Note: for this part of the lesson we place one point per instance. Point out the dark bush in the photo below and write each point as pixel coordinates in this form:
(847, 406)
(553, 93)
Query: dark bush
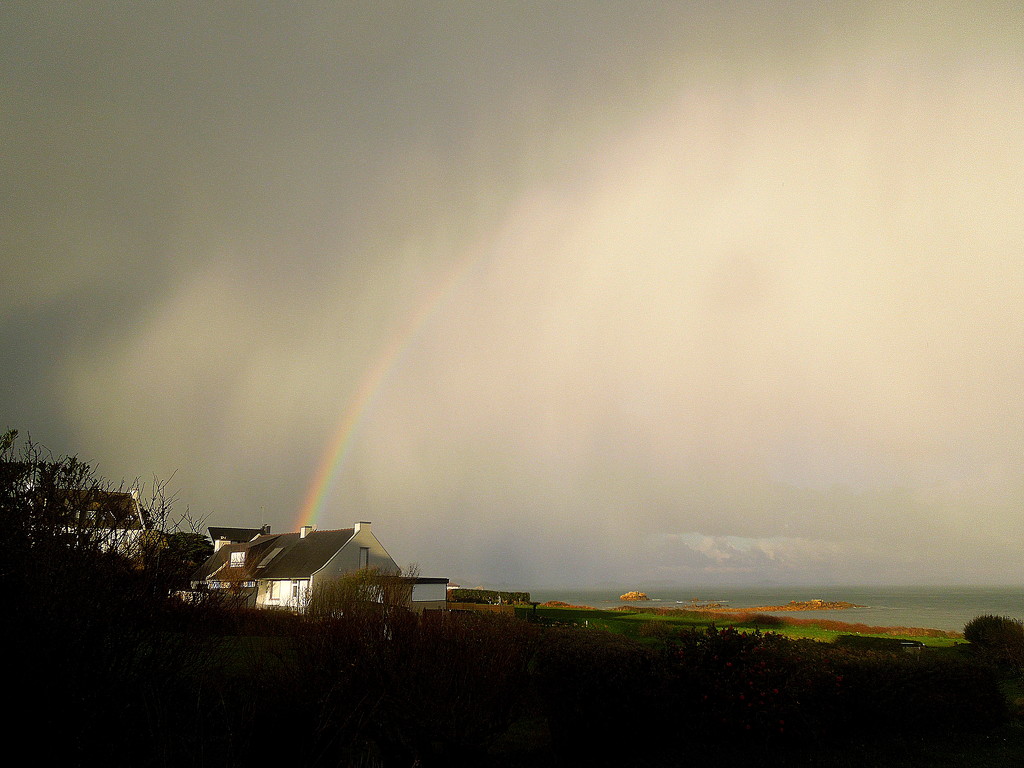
(759, 689)
(599, 691)
(751, 687)
(899, 695)
(997, 639)
(435, 689)
(488, 597)
(453, 682)
(89, 619)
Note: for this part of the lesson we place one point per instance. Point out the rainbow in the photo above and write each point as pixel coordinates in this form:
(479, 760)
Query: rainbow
(359, 404)
(534, 210)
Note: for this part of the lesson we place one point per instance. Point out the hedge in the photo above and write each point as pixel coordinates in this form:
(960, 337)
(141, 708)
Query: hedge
(487, 596)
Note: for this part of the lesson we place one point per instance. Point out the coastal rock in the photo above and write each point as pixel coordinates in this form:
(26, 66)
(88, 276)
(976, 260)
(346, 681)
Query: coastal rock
(634, 596)
(812, 605)
(563, 604)
(792, 605)
(803, 605)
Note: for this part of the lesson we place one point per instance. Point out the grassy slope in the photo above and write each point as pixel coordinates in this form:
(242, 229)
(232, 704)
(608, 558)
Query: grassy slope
(640, 623)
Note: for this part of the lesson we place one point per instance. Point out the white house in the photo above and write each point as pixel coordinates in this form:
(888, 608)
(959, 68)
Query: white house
(113, 520)
(280, 570)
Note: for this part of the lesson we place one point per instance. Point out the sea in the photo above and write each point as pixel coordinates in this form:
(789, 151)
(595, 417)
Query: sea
(945, 608)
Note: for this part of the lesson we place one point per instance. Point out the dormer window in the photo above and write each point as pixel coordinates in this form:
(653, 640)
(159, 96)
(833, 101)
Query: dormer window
(237, 559)
(266, 560)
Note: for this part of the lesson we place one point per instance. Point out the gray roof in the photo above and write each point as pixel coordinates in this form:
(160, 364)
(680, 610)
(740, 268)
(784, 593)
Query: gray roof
(276, 556)
(300, 558)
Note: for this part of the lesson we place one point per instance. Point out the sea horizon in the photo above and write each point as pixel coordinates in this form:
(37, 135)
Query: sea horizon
(944, 607)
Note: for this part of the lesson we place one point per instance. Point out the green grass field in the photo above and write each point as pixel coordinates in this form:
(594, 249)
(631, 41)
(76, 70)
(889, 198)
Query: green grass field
(648, 624)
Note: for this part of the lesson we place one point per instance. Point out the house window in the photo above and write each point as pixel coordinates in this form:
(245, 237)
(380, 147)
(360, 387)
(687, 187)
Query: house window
(237, 559)
(364, 557)
(272, 593)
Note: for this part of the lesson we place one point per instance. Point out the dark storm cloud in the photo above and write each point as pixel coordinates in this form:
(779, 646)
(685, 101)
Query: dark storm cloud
(676, 292)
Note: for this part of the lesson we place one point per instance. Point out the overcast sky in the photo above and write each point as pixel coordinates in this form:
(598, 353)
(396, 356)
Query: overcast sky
(595, 292)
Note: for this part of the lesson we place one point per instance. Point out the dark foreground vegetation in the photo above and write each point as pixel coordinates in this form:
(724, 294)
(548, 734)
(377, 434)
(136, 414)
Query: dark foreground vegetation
(107, 667)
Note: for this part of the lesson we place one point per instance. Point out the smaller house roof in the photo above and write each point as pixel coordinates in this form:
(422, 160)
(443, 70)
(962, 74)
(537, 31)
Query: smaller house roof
(237, 535)
(102, 508)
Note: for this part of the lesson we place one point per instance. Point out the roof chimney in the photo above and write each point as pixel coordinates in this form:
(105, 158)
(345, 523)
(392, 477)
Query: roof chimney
(305, 530)
(265, 529)
(361, 526)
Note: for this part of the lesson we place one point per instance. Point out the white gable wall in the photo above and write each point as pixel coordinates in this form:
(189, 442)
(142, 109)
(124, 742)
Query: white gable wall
(348, 558)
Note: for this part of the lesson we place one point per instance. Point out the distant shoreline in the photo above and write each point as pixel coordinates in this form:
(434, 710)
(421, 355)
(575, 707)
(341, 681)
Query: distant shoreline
(792, 605)
(947, 608)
